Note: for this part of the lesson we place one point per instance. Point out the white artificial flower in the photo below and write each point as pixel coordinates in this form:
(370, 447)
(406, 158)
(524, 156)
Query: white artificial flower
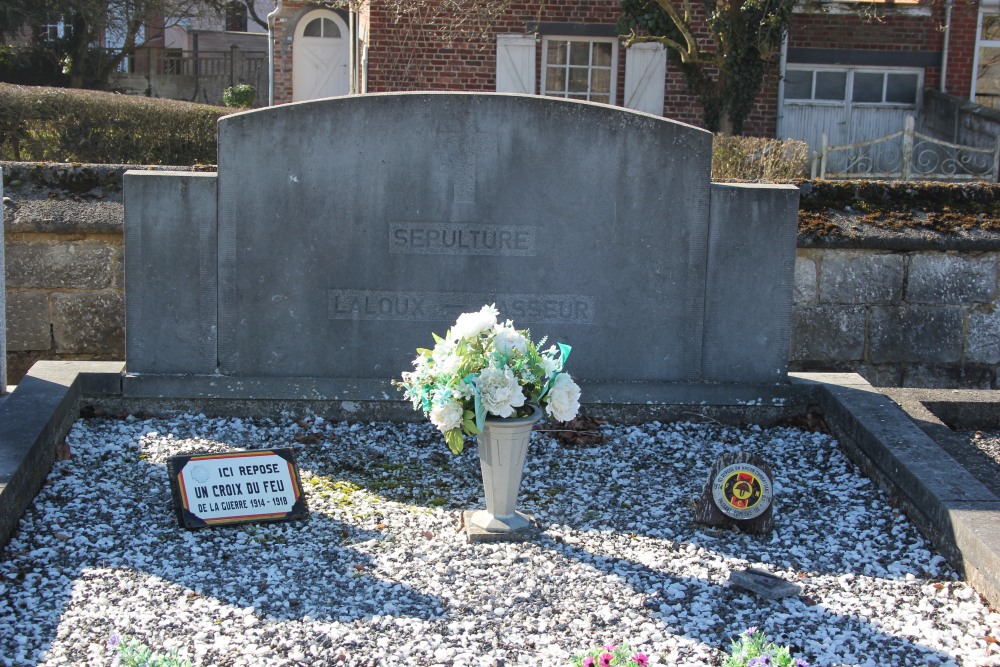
(550, 362)
(464, 391)
(507, 339)
(499, 391)
(446, 415)
(446, 362)
(470, 325)
(563, 398)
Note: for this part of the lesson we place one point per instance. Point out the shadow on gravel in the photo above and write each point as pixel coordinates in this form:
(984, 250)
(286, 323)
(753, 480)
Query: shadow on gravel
(706, 612)
(248, 574)
(254, 574)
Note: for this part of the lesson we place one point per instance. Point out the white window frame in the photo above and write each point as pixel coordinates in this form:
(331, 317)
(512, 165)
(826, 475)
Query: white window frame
(980, 45)
(613, 41)
(849, 85)
(54, 30)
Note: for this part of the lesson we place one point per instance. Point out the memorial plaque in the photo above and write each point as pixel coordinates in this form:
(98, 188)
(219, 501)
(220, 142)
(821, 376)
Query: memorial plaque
(738, 494)
(255, 486)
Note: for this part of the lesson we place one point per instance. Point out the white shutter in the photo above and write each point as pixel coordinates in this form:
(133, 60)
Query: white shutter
(516, 64)
(645, 76)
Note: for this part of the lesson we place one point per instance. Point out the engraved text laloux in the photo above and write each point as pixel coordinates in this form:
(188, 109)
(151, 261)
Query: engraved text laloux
(347, 304)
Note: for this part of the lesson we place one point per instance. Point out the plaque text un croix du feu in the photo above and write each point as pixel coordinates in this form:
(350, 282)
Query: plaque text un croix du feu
(213, 489)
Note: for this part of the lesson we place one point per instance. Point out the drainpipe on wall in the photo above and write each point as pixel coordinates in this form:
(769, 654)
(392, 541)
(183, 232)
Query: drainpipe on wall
(782, 63)
(352, 87)
(364, 69)
(355, 46)
(270, 51)
(944, 49)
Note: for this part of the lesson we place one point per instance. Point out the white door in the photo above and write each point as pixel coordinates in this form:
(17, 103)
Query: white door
(848, 104)
(320, 57)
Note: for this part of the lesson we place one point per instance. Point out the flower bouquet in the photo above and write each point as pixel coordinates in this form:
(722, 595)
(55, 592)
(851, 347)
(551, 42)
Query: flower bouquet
(484, 367)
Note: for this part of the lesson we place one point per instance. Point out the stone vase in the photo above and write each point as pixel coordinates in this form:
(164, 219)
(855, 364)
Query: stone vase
(503, 445)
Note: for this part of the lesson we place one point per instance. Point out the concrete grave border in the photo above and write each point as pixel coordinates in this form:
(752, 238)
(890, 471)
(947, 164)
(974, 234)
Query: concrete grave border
(953, 508)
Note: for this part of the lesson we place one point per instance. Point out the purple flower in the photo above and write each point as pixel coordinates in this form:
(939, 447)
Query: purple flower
(751, 631)
(605, 660)
(609, 647)
(642, 659)
(760, 661)
(588, 662)
(799, 662)
(113, 642)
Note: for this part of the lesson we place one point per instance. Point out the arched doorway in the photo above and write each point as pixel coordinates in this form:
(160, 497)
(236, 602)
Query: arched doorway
(320, 56)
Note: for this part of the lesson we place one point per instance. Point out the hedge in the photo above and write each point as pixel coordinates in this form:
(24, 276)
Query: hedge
(758, 159)
(65, 125)
(68, 125)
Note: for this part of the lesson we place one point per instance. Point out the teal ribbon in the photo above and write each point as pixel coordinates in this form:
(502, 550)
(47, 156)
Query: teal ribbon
(478, 399)
(564, 351)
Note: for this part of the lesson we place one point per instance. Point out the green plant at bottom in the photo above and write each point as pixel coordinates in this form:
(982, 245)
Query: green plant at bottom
(610, 655)
(752, 649)
(132, 653)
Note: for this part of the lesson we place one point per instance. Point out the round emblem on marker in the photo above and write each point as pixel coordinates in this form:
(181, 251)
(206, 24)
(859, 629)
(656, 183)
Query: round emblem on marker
(742, 491)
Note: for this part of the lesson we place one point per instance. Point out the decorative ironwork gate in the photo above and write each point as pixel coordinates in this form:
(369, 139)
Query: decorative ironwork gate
(907, 155)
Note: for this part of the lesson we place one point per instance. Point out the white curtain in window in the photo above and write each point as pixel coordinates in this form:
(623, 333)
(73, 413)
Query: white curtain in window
(645, 77)
(516, 64)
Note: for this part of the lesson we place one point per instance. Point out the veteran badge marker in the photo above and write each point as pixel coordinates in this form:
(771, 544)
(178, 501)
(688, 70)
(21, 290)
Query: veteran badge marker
(742, 491)
(738, 493)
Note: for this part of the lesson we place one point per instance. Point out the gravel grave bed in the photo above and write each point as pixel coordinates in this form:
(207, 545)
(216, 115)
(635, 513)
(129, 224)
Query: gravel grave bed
(378, 574)
(988, 442)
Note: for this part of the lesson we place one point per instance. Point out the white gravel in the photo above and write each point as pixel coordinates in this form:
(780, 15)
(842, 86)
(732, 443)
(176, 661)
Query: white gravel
(378, 575)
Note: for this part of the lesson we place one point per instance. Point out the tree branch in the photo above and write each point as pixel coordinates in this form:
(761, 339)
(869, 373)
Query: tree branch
(684, 26)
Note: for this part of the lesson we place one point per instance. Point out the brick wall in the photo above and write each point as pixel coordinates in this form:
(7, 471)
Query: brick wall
(904, 31)
(406, 52)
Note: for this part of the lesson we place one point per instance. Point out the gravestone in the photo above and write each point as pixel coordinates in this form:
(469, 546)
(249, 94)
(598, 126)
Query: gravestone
(339, 233)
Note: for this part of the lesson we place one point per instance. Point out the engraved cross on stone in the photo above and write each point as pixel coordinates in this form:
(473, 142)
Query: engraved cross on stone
(475, 148)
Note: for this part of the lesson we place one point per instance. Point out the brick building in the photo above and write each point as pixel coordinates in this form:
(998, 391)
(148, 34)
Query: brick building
(850, 68)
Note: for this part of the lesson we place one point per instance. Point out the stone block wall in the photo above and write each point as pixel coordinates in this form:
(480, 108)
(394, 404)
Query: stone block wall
(64, 263)
(65, 298)
(919, 318)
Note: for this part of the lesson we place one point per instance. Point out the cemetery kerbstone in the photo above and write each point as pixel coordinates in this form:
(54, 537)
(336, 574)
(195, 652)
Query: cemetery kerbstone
(347, 228)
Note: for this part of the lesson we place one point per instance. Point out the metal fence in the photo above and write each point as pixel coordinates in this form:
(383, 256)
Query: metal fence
(197, 76)
(907, 155)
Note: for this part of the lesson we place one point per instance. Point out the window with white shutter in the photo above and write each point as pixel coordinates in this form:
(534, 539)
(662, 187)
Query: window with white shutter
(645, 74)
(516, 64)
